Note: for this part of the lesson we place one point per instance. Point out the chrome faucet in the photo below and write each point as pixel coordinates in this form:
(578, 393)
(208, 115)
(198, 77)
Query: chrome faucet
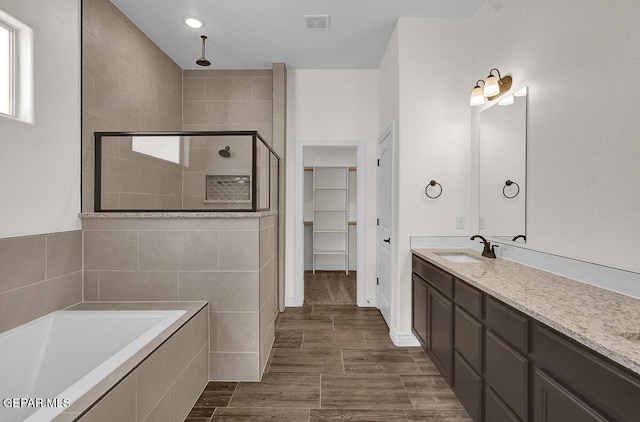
(488, 251)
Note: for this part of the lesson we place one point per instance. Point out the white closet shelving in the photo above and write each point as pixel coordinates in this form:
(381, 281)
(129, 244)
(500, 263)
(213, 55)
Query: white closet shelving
(330, 213)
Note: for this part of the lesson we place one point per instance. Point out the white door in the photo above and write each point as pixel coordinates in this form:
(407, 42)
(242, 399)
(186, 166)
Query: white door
(384, 239)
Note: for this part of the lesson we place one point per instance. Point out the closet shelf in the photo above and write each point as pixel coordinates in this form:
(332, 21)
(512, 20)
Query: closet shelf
(330, 202)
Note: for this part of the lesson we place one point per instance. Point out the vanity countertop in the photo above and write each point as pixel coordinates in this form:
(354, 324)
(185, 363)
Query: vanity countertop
(593, 316)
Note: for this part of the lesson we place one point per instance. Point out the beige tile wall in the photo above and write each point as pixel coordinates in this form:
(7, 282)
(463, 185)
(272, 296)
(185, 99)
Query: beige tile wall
(205, 160)
(39, 274)
(128, 84)
(219, 260)
(229, 100)
(268, 286)
(166, 385)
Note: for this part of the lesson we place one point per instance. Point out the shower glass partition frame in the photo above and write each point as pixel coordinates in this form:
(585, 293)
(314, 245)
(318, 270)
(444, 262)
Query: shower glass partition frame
(124, 152)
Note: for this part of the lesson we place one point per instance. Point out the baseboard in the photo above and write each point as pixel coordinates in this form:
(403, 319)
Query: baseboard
(368, 303)
(293, 302)
(403, 339)
(330, 267)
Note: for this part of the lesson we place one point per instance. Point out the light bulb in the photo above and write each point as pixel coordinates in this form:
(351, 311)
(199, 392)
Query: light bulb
(477, 97)
(491, 86)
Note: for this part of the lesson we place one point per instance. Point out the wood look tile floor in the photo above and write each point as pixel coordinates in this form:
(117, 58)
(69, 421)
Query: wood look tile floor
(334, 363)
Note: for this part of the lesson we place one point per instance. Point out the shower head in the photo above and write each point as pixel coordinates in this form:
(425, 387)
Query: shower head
(202, 61)
(225, 153)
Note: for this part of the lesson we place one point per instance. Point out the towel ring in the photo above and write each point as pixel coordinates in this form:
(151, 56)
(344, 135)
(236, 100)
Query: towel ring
(433, 183)
(507, 184)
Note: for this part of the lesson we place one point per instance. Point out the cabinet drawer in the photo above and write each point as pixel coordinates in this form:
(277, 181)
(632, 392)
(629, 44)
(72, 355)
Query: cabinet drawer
(553, 403)
(419, 309)
(468, 339)
(468, 388)
(469, 298)
(496, 410)
(507, 374)
(438, 278)
(509, 324)
(604, 386)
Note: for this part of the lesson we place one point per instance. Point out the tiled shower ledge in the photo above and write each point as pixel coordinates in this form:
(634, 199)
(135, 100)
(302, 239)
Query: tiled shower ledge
(177, 214)
(600, 319)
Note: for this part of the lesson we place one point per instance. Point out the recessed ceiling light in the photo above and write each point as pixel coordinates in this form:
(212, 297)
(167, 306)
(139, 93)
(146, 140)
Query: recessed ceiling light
(193, 22)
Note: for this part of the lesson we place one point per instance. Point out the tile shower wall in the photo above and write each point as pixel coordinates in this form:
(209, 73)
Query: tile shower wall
(192, 259)
(128, 84)
(39, 274)
(205, 160)
(229, 100)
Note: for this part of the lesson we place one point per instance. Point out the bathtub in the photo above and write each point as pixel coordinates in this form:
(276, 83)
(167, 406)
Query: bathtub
(48, 363)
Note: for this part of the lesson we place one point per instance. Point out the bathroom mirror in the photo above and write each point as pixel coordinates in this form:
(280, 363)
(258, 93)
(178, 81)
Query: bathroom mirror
(502, 168)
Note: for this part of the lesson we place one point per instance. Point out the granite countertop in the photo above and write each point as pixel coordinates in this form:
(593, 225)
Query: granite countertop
(598, 318)
(176, 214)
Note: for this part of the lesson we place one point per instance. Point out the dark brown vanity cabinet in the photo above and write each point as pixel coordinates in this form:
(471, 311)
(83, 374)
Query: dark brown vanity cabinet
(432, 310)
(440, 329)
(505, 366)
(419, 309)
(507, 363)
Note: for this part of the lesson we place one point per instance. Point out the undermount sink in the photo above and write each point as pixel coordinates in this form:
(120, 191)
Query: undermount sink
(460, 258)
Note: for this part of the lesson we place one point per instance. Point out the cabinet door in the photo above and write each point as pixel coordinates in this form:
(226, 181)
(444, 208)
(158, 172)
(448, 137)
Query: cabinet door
(507, 374)
(468, 388)
(553, 403)
(440, 332)
(468, 339)
(419, 310)
(496, 410)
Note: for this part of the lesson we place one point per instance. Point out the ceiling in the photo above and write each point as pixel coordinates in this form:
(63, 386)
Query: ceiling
(252, 34)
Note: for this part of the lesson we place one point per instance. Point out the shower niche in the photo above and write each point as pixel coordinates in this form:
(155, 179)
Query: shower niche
(184, 171)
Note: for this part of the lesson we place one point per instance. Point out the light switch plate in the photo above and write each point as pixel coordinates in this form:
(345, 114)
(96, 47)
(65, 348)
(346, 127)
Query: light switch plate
(460, 222)
(481, 222)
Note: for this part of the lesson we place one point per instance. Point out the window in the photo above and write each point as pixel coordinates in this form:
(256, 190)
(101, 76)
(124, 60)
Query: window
(16, 69)
(163, 147)
(7, 69)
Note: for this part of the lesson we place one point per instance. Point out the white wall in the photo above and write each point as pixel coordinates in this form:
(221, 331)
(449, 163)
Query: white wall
(331, 107)
(40, 162)
(389, 118)
(433, 141)
(583, 177)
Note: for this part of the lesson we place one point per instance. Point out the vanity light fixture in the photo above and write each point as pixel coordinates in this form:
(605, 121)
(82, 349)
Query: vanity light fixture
(493, 88)
(477, 95)
(192, 22)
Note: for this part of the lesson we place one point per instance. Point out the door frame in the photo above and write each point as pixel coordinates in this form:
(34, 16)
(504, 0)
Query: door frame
(360, 146)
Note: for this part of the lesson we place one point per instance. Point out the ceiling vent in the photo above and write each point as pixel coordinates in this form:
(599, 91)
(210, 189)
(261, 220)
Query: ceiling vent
(317, 22)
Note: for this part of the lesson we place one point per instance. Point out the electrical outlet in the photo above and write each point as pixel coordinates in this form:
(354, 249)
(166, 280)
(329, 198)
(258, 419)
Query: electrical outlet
(460, 222)
(481, 222)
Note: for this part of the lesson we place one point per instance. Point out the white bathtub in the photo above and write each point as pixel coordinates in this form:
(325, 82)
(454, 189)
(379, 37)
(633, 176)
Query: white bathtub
(62, 355)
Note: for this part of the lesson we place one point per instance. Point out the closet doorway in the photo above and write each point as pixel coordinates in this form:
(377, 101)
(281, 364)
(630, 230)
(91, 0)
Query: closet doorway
(330, 225)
